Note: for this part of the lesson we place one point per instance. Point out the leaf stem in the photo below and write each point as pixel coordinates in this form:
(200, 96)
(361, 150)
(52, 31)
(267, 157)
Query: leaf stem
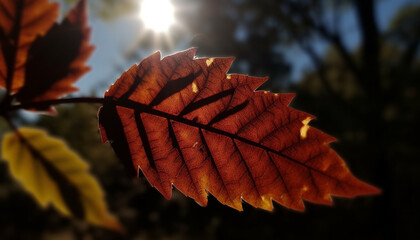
(12, 126)
(48, 103)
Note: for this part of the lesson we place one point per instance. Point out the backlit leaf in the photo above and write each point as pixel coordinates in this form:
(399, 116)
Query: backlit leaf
(57, 59)
(55, 175)
(21, 21)
(183, 121)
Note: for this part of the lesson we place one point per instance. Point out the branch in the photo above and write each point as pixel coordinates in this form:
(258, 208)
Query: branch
(331, 37)
(337, 42)
(48, 103)
(411, 52)
(370, 47)
(10, 123)
(320, 68)
(321, 71)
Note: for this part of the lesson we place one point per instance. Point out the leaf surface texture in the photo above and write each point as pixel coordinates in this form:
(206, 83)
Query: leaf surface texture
(183, 121)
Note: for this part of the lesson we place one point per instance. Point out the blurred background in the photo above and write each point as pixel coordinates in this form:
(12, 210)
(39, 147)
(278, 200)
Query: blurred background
(355, 64)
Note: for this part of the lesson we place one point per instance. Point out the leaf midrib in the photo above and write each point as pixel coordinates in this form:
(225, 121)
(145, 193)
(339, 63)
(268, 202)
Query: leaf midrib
(126, 103)
(65, 186)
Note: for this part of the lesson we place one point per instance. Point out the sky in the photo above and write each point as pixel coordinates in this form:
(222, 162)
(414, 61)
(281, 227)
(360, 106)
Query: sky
(113, 38)
(385, 11)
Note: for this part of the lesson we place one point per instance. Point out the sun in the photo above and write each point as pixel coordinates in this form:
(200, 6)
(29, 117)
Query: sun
(157, 15)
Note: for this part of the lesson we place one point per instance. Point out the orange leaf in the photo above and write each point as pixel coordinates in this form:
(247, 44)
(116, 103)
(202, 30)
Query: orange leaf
(183, 121)
(57, 59)
(21, 21)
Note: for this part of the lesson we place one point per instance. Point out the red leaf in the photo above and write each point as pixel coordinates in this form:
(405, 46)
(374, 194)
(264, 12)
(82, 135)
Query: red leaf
(21, 21)
(57, 59)
(183, 121)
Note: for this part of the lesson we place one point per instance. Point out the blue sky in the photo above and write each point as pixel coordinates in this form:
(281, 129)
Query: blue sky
(385, 11)
(113, 38)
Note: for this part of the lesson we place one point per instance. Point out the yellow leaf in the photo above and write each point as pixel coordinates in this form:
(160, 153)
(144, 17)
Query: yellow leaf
(55, 175)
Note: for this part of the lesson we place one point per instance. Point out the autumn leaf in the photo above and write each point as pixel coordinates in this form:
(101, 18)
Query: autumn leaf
(55, 175)
(40, 59)
(184, 121)
(21, 21)
(57, 59)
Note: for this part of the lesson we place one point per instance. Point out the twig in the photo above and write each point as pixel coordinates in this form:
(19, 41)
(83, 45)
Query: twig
(48, 103)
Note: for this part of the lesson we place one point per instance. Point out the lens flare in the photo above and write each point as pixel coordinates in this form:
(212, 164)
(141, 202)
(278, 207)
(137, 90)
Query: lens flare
(157, 15)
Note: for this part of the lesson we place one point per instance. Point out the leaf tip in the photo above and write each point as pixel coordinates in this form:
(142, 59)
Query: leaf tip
(165, 190)
(191, 52)
(267, 203)
(155, 57)
(368, 189)
(288, 97)
(114, 225)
